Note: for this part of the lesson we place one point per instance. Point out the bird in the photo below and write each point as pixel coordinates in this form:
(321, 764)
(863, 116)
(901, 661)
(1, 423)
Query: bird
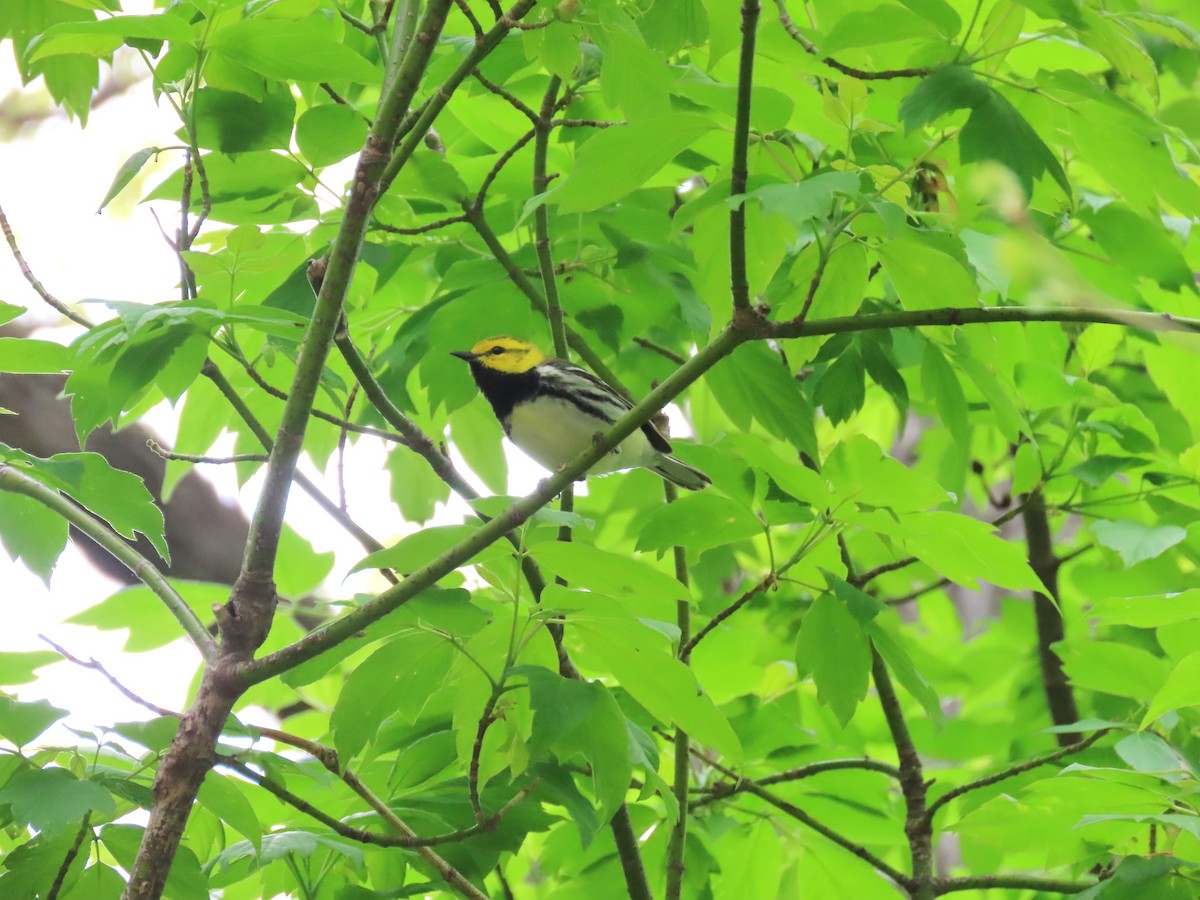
(553, 410)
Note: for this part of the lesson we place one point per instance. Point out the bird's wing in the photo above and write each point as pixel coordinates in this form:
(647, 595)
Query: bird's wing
(653, 435)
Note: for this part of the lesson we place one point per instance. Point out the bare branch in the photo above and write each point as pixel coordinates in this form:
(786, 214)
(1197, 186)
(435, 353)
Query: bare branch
(38, 287)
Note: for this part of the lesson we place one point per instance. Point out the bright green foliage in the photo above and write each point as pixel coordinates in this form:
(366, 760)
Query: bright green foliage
(888, 493)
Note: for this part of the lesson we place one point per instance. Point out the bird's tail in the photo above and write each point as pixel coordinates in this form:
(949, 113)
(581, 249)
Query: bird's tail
(680, 473)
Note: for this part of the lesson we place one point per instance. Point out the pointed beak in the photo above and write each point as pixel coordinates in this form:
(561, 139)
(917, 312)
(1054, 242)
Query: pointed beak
(463, 354)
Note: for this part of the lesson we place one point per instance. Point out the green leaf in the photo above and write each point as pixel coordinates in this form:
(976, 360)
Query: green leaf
(754, 384)
(939, 12)
(947, 89)
(226, 800)
(98, 882)
(900, 663)
(117, 496)
(924, 276)
(833, 648)
(964, 549)
(1097, 469)
(128, 171)
(1112, 668)
(841, 389)
(102, 36)
(885, 24)
(1181, 689)
(150, 623)
(618, 161)
(645, 666)
(396, 679)
(941, 385)
(31, 356)
(234, 123)
(50, 799)
(328, 134)
(578, 717)
(1148, 612)
(9, 311)
(478, 436)
(859, 471)
(23, 722)
(1135, 542)
(1138, 245)
(302, 51)
(698, 522)
(995, 130)
(613, 574)
(1145, 752)
(32, 533)
(422, 547)
(803, 201)
(19, 667)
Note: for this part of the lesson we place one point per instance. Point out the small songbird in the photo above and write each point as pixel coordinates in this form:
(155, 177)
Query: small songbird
(553, 410)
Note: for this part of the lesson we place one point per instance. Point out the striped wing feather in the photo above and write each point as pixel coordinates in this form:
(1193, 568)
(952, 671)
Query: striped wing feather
(594, 395)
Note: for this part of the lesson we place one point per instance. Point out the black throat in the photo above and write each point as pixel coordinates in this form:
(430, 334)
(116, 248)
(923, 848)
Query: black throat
(504, 390)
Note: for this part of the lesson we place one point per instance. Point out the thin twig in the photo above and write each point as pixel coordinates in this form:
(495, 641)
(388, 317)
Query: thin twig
(785, 19)
(665, 352)
(943, 886)
(723, 791)
(160, 450)
(72, 854)
(97, 666)
(917, 826)
(418, 229)
(514, 101)
(37, 286)
(1012, 771)
(339, 421)
(801, 816)
(767, 581)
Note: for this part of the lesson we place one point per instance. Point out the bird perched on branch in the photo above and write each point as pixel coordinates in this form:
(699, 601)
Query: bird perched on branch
(554, 410)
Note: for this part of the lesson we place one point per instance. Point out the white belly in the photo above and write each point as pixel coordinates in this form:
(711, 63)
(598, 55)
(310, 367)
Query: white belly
(553, 432)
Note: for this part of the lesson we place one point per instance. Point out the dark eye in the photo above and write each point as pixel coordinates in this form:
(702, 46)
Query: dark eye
(496, 351)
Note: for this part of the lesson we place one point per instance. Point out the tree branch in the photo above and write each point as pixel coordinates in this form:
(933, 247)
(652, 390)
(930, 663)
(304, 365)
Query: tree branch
(917, 827)
(801, 816)
(785, 19)
(246, 618)
(15, 481)
(1060, 698)
(1017, 882)
(767, 581)
(38, 287)
(681, 775)
(975, 315)
(630, 855)
(72, 854)
(435, 104)
(739, 173)
(1013, 771)
(722, 791)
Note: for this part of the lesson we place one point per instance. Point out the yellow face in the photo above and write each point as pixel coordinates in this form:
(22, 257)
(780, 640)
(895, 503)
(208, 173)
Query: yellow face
(505, 354)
